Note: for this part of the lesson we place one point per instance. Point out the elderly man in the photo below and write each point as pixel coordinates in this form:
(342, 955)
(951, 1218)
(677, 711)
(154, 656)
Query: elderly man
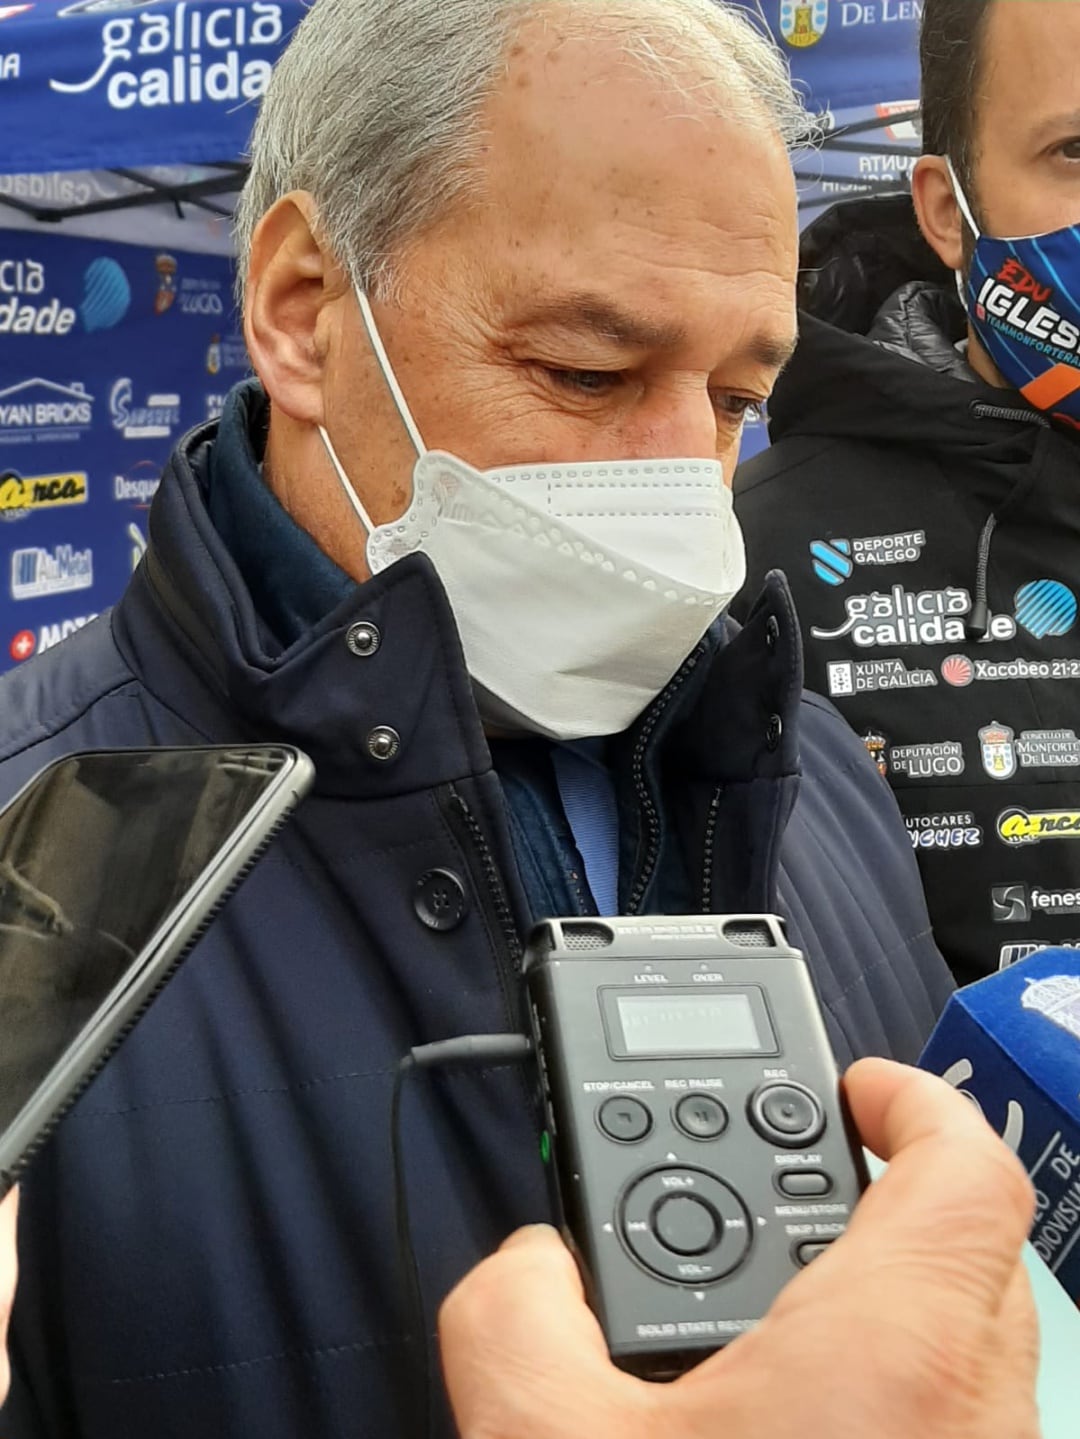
(514, 273)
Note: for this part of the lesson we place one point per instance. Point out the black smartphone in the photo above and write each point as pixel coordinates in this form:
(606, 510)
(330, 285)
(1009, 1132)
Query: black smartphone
(112, 864)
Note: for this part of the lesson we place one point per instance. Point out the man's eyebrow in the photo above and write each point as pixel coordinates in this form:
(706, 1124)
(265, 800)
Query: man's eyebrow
(773, 354)
(1068, 121)
(609, 321)
(605, 319)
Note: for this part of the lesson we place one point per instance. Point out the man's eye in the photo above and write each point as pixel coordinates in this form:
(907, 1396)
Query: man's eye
(583, 382)
(1070, 149)
(739, 407)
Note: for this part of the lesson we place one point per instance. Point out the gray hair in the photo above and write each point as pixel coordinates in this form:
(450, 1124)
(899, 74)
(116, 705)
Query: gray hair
(374, 106)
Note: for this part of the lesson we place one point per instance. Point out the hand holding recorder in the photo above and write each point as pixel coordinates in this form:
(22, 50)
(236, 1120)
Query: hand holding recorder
(917, 1321)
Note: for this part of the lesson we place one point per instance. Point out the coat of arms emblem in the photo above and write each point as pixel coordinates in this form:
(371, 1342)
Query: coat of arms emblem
(998, 751)
(803, 22)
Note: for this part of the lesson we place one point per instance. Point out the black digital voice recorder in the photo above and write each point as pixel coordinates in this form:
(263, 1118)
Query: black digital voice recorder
(698, 1138)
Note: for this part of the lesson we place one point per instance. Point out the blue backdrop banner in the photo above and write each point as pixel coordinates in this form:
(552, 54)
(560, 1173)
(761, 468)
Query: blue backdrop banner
(88, 84)
(108, 353)
(847, 53)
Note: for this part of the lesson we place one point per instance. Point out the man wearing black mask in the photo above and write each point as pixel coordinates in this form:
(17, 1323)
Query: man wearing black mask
(921, 492)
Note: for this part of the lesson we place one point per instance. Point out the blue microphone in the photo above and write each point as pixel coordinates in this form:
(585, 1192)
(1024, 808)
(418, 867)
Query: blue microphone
(1011, 1043)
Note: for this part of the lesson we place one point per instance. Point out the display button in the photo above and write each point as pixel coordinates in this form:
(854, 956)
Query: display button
(686, 1225)
(802, 1183)
(624, 1119)
(787, 1114)
(813, 1249)
(700, 1116)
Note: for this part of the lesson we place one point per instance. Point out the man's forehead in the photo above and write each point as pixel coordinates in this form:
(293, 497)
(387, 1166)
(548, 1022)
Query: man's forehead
(579, 108)
(1028, 47)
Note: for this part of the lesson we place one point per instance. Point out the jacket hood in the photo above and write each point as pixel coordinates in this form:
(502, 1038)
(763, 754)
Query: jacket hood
(880, 321)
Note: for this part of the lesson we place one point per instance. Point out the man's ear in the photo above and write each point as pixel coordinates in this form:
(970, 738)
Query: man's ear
(939, 215)
(291, 284)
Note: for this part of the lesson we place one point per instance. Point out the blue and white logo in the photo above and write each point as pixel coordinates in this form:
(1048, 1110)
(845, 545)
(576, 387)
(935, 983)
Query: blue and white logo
(106, 295)
(36, 572)
(832, 560)
(1045, 607)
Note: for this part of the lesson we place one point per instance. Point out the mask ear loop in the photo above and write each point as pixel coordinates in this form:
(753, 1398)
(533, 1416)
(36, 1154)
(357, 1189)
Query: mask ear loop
(346, 485)
(388, 373)
(965, 210)
(403, 410)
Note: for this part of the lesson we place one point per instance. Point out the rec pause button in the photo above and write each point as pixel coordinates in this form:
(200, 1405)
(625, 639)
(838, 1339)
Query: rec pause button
(624, 1118)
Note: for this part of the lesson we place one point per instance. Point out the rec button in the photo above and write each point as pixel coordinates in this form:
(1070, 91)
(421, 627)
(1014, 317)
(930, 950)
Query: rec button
(788, 1114)
(624, 1118)
(701, 1116)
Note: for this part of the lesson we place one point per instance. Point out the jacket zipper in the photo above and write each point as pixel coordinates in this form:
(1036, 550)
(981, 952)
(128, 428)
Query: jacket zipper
(710, 835)
(493, 887)
(646, 805)
(984, 411)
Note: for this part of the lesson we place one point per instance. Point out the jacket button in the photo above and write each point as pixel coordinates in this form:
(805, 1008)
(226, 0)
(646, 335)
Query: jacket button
(774, 731)
(772, 631)
(383, 743)
(440, 899)
(363, 638)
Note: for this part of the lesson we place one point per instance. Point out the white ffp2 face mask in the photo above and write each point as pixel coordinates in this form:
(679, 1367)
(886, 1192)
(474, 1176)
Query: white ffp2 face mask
(578, 589)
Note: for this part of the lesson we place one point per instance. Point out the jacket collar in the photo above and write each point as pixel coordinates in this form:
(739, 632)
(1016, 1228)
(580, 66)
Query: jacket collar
(189, 605)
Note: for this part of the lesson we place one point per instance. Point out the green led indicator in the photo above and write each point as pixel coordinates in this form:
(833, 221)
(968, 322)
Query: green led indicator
(545, 1147)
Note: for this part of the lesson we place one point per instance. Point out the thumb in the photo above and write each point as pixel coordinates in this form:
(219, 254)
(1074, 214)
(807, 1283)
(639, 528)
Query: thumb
(950, 1179)
(520, 1347)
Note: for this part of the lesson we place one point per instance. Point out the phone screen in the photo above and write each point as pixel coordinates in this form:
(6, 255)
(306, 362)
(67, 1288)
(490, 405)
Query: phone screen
(95, 855)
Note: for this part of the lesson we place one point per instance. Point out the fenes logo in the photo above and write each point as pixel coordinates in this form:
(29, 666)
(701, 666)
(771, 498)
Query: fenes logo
(1009, 904)
(803, 24)
(1045, 607)
(1020, 826)
(20, 494)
